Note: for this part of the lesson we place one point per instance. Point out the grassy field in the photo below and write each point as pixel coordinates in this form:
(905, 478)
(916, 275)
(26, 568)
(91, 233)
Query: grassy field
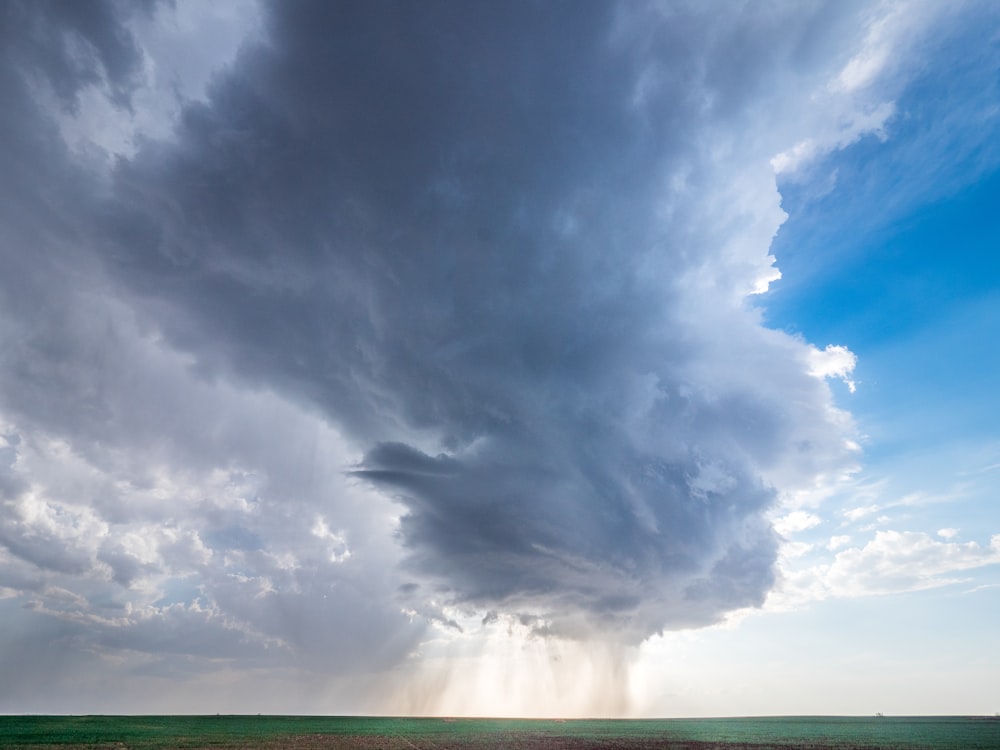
(314, 733)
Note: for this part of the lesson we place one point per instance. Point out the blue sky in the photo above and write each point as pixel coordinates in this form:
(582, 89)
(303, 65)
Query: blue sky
(891, 249)
(898, 261)
(500, 359)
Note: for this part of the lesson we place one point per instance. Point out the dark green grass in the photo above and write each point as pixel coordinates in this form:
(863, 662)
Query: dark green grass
(157, 732)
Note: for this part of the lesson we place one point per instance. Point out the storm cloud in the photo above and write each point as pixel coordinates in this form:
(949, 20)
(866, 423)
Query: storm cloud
(422, 307)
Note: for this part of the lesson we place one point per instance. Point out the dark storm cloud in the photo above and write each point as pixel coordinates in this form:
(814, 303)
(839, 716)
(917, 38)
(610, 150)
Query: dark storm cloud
(70, 45)
(307, 218)
(114, 457)
(491, 244)
(627, 541)
(438, 222)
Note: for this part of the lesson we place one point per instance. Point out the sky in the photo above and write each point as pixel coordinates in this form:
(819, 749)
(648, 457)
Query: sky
(510, 359)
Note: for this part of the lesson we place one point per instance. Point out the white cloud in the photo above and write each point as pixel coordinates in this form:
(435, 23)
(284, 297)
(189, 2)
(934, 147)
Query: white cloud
(857, 99)
(834, 361)
(838, 541)
(792, 550)
(337, 541)
(850, 130)
(947, 533)
(796, 521)
(856, 514)
(984, 587)
(893, 26)
(897, 561)
(890, 563)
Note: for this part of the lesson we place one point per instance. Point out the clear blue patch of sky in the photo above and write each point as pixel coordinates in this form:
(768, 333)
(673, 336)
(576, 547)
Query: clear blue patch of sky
(900, 260)
(878, 287)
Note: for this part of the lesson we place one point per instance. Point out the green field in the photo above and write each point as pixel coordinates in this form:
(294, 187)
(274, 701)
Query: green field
(312, 732)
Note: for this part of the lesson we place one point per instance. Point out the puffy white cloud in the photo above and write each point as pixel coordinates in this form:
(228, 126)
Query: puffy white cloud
(891, 562)
(796, 521)
(896, 561)
(834, 361)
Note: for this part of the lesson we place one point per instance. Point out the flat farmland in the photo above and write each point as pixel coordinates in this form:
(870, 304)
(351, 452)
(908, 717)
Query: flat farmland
(370, 733)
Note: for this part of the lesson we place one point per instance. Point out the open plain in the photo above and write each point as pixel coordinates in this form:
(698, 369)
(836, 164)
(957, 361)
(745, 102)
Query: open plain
(381, 733)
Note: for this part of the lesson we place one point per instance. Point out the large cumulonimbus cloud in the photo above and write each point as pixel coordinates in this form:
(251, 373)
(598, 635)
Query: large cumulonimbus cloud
(488, 242)
(506, 250)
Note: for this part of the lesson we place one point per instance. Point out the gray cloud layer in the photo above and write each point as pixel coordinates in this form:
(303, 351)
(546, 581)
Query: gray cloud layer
(489, 261)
